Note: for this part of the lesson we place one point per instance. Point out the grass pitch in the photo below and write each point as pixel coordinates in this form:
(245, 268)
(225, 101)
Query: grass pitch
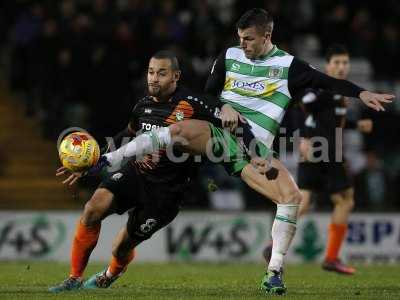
(30, 280)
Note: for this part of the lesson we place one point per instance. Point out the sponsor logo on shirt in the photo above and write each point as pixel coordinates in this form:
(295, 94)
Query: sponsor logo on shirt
(235, 67)
(258, 86)
(148, 127)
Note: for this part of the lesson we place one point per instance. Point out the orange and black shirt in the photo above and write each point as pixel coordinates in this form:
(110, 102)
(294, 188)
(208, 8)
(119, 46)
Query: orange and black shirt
(148, 114)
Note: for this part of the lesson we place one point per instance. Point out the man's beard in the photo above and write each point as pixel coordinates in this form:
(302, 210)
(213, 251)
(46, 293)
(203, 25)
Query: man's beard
(155, 92)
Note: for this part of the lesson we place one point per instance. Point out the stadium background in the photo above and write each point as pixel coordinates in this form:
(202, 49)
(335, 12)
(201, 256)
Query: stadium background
(82, 63)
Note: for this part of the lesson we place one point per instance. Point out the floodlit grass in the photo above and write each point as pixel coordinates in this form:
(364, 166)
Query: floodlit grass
(30, 280)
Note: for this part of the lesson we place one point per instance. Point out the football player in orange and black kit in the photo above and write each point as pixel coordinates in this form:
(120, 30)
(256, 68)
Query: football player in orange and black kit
(326, 171)
(150, 189)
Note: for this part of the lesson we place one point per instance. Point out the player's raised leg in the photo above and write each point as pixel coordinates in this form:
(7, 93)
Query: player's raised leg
(193, 135)
(285, 193)
(343, 205)
(86, 237)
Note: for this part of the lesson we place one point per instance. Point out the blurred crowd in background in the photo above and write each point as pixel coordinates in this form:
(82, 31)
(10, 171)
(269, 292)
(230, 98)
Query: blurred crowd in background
(83, 62)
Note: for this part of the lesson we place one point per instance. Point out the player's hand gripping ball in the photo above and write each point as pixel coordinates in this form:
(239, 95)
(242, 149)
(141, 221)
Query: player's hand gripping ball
(79, 151)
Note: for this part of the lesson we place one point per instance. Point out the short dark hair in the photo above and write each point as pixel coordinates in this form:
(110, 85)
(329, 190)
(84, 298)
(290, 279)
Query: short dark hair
(257, 17)
(166, 54)
(336, 49)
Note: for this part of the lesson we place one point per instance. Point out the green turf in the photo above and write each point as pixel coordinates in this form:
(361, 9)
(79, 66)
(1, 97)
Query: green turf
(202, 281)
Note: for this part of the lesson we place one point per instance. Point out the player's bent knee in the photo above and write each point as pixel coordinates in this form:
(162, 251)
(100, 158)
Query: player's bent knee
(91, 215)
(293, 197)
(290, 193)
(350, 203)
(302, 211)
(297, 197)
(97, 208)
(304, 208)
(344, 200)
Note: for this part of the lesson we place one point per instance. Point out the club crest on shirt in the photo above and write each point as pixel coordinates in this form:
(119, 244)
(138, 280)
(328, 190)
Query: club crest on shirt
(179, 116)
(275, 72)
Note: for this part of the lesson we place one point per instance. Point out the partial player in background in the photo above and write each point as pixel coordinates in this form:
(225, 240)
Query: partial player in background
(257, 81)
(326, 113)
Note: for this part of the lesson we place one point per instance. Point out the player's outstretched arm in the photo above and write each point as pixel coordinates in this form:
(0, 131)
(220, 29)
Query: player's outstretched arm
(301, 76)
(375, 100)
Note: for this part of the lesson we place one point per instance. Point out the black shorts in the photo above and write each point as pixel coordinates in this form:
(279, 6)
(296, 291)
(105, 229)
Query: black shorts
(323, 177)
(151, 203)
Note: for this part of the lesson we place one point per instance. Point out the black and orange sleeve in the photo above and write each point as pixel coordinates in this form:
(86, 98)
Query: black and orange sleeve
(182, 111)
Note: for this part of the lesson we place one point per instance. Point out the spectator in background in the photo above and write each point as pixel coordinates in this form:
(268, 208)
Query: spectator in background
(81, 41)
(176, 30)
(3, 28)
(114, 65)
(45, 51)
(27, 28)
(103, 17)
(363, 33)
(335, 25)
(384, 57)
(206, 27)
(65, 14)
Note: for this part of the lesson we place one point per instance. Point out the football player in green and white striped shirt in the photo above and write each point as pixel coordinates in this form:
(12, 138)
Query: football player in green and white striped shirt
(256, 81)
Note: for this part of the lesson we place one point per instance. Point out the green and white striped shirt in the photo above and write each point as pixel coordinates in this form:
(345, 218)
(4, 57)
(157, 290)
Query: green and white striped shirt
(258, 89)
(262, 89)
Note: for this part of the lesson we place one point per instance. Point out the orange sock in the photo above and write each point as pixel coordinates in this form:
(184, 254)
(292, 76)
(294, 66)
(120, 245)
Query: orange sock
(336, 235)
(82, 246)
(119, 265)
